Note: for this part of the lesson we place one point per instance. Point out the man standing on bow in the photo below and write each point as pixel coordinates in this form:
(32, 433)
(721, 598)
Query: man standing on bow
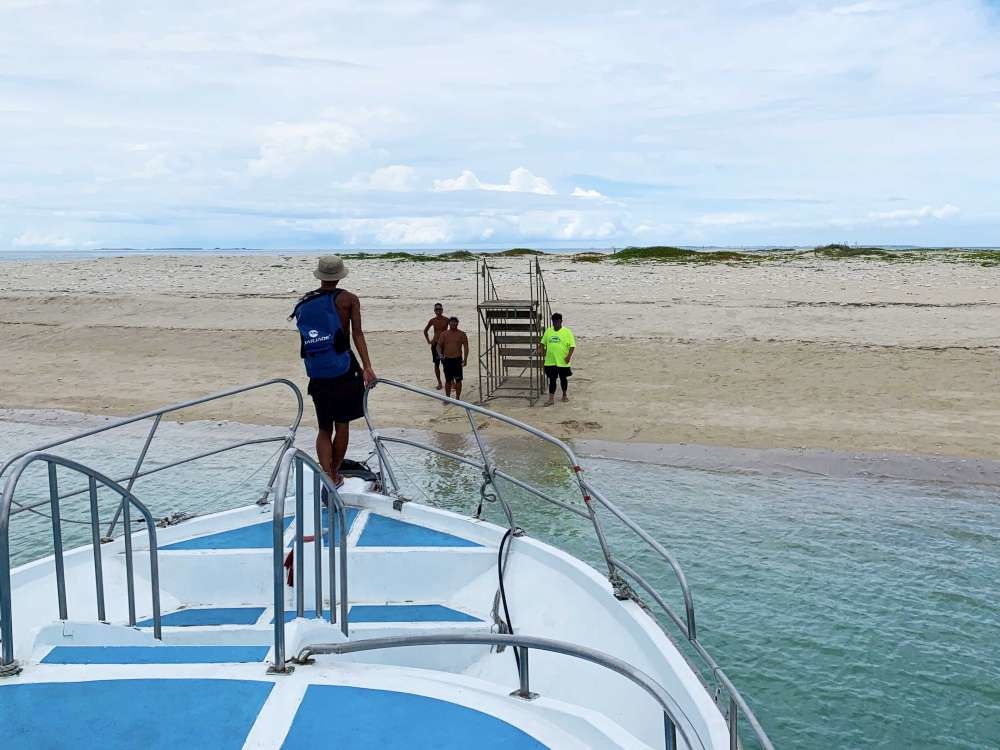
(328, 319)
(438, 323)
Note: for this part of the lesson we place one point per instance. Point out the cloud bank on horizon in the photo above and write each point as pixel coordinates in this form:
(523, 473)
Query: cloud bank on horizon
(443, 124)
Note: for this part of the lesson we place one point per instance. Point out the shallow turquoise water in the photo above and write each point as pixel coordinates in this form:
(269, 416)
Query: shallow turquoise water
(850, 613)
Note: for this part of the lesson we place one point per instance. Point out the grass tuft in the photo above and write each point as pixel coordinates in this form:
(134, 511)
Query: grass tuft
(846, 251)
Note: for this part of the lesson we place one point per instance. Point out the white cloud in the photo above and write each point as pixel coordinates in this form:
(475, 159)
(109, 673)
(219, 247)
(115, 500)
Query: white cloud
(579, 192)
(397, 178)
(916, 215)
(286, 146)
(521, 181)
(31, 238)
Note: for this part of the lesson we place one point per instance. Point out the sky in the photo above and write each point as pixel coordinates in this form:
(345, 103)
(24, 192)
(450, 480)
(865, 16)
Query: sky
(434, 124)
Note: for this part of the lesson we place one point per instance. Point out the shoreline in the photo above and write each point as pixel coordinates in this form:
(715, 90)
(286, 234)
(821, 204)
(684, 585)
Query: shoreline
(847, 355)
(820, 463)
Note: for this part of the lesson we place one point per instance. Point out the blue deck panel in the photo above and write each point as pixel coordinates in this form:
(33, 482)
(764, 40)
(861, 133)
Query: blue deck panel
(381, 531)
(310, 614)
(255, 536)
(207, 616)
(148, 714)
(407, 613)
(155, 654)
(349, 515)
(365, 718)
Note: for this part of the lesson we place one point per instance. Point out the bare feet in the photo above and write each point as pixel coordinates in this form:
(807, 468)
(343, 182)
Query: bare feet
(550, 402)
(565, 397)
(440, 386)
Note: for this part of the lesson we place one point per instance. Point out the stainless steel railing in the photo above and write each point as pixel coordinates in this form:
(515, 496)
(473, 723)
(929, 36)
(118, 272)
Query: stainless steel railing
(590, 495)
(676, 722)
(8, 665)
(294, 460)
(288, 437)
(123, 487)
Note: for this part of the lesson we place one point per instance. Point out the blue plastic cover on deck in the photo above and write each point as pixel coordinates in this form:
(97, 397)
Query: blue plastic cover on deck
(350, 718)
(256, 536)
(148, 714)
(207, 616)
(155, 654)
(381, 531)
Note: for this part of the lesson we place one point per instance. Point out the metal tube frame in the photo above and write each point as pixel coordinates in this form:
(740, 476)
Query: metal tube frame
(296, 460)
(8, 665)
(289, 437)
(688, 627)
(673, 713)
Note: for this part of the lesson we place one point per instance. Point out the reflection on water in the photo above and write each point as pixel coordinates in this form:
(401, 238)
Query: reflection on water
(851, 613)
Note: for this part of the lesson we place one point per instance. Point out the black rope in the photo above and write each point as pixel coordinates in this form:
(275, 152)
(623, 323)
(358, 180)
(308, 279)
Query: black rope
(503, 592)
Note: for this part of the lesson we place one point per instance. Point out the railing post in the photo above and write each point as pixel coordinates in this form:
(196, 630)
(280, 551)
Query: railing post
(669, 734)
(300, 567)
(523, 676)
(318, 544)
(129, 565)
(332, 511)
(8, 666)
(135, 473)
(344, 601)
(734, 730)
(95, 533)
(57, 542)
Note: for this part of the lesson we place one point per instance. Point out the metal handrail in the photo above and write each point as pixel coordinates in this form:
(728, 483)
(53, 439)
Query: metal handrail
(675, 720)
(8, 665)
(157, 415)
(615, 567)
(293, 458)
(470, 409)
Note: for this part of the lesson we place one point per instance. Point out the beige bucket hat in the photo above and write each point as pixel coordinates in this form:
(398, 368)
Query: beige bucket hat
(330, 268)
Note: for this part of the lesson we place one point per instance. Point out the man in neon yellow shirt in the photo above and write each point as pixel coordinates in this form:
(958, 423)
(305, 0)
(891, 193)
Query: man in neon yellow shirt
(558, 344)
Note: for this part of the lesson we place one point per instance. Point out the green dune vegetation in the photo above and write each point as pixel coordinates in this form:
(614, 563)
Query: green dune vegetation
(669, 254)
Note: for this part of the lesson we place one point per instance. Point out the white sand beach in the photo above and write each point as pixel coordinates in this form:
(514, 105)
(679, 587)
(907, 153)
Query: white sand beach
(845, 355)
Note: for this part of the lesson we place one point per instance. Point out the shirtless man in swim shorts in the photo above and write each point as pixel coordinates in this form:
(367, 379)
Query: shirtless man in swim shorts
(438, 323)
(453, 346)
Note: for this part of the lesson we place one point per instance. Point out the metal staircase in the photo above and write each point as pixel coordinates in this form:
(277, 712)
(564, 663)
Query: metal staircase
(509, 331)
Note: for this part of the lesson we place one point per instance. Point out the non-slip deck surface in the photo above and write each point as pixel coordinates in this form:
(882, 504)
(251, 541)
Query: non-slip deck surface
(148, 714)
(394, 613)
(352, 718)
(381, 531)
(155, 654)
(255, 536)
(207, 616)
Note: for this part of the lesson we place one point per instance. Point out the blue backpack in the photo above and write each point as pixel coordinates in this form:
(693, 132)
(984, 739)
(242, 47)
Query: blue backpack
(324, 344)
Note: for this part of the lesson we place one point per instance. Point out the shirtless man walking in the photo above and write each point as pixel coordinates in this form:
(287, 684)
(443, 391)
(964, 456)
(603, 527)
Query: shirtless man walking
(453, 346)
(438, 323)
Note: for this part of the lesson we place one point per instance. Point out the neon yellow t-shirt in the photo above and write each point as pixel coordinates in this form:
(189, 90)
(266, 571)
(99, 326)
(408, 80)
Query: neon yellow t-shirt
(557, 345)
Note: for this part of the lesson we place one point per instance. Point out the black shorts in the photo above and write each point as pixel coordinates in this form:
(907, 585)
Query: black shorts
(434, 354)
(555, 371)
(452, 368)
(339, 399)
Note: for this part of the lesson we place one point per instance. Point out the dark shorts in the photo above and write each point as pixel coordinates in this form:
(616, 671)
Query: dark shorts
(339, 399)
(452, 368)
(434, 354)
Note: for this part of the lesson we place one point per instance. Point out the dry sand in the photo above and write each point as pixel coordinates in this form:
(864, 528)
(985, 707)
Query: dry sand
(839, 355)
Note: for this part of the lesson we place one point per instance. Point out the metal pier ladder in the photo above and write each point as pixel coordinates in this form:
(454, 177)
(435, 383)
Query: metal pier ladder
(509, 332)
